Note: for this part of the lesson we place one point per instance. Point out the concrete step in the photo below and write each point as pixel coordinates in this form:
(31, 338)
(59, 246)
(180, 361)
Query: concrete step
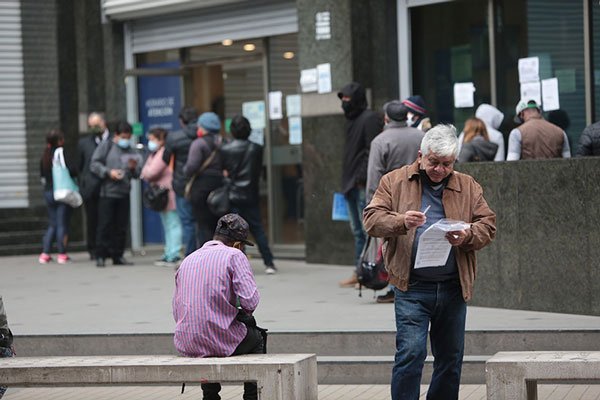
(34, 247)
(21, 237)
(357, 370)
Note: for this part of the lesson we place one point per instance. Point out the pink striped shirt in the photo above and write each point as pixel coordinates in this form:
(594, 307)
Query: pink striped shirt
(207, 286)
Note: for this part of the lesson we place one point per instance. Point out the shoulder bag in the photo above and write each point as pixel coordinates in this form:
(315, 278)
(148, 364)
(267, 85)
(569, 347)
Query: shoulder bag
(188, 186)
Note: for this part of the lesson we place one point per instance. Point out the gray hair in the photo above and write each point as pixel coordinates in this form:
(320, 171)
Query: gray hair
(440, 140)
(97, 114)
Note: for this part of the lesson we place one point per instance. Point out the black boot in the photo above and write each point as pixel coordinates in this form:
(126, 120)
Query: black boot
(121, 261)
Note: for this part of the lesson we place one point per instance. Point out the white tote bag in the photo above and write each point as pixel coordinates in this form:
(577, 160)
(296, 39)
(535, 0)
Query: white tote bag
(65, 189)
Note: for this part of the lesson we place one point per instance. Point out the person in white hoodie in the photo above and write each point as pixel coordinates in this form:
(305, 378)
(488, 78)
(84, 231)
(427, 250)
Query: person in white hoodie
(492, 117)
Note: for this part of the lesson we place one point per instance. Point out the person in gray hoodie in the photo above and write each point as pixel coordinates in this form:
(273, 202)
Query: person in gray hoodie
(116, 163)
(492, 117)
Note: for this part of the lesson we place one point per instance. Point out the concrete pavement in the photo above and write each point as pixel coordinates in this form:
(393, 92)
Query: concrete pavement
(79, 298)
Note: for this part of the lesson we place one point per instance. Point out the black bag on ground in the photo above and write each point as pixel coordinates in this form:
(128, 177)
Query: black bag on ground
(156, 197)
(371, 272)
(218, 200)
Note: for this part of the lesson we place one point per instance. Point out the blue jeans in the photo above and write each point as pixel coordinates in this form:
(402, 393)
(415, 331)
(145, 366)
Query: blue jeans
(355, 201)
(440, 304)
(172, 227)
(58, 219)
(251, 213)
(188, 224)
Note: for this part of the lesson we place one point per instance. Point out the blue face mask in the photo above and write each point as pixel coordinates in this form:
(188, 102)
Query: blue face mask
(124, 143)
(152, 146)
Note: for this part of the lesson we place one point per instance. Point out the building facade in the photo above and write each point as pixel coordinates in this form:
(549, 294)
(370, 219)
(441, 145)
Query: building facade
(143, 60)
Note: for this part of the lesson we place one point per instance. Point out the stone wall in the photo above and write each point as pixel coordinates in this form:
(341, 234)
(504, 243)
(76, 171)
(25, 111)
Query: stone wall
(546, 254)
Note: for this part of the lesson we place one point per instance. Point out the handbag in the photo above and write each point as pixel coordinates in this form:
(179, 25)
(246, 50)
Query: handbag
(64, 187)
(218, 200)
(156, 197)
(371, 272)
(187, 192)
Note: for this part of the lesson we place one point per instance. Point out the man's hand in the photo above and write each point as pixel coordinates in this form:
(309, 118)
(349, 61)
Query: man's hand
(116, 174)
(456, 238)
(132, 163)
(413, 219)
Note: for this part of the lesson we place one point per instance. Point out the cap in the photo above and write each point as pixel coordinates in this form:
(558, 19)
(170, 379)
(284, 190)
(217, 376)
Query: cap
(234, 227)
(523, 105)
(416, 104)
(210, 121)
(395, 110)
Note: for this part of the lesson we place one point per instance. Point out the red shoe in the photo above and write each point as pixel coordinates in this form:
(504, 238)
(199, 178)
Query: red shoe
(44, 258)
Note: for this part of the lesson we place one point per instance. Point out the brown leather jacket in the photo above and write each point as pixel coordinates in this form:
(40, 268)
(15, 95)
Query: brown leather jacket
(400, 191)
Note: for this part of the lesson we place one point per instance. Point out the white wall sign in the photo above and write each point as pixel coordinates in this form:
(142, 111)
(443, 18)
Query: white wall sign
(529, 69)
(324, 78)
(550, 94)
(463, 95)
(308, 80)
(531, 91)
(295, 130)
(293, 105)
(257, 136)
(275, 105)
(323, 25)
(255, 112)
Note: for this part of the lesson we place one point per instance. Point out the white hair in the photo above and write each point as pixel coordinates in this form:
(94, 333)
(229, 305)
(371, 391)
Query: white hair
(440, 140)
(96, 114)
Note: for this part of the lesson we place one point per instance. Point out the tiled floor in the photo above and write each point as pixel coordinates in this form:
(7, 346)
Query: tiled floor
(326, 392)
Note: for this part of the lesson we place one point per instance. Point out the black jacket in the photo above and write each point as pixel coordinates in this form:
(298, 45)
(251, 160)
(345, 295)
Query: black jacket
(478, 149)
(589, 142)
(89, 184)
(243, 161)
(178, 144)
(362, 126)
(46, 172)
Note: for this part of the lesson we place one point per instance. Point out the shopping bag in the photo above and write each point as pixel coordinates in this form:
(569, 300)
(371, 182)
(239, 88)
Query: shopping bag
(65, 189)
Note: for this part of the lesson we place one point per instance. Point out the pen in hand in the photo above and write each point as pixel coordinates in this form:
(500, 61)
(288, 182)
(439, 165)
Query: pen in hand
(426, 209)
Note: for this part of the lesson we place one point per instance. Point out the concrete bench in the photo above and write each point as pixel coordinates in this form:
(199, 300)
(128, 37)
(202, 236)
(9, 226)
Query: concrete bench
(279, 376)
(514, 375)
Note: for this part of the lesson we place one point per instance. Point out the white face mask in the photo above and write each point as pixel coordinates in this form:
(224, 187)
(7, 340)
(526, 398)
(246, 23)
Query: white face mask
(409, 118)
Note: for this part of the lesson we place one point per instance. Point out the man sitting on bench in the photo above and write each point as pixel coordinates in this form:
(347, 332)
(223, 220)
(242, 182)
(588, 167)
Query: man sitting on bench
(214, 288)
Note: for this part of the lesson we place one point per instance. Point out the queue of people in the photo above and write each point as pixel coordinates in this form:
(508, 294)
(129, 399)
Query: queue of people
(188, 164)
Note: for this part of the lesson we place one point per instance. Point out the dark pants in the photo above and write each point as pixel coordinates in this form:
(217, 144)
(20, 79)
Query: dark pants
(355, 201)
(252, 344)
(58, 221)
(251, 213)
(113, 219)
(440, 304)
(91, 217)
(207, 221)
(4, 352)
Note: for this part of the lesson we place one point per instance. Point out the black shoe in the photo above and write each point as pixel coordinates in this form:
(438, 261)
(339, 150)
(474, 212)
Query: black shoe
(100, 262)
(121, 261)
(386, 298)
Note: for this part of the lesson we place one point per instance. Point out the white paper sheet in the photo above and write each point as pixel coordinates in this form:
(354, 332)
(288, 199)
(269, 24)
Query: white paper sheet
(550, 94)
(324, 78)
(295, 130)
(293, 105)
(308, 80)
(463, 95)
(531, 91)
(433, 249)
(257, 136)
(275, 105)
(255, 112)
(529, 69)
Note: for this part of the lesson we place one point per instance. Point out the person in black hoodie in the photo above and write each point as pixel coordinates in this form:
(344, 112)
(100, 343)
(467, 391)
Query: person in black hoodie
(362, 126)
(242, 161)
(177, 148)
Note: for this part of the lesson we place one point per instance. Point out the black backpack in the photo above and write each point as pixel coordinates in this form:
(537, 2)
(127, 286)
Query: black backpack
(371, 272)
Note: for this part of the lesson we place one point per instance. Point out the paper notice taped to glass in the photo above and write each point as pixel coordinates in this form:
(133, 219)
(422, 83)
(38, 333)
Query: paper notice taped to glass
(433, 249)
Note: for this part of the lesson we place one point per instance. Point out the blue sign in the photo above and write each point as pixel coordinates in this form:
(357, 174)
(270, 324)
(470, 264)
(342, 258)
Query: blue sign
(339, 209)
(159, 103)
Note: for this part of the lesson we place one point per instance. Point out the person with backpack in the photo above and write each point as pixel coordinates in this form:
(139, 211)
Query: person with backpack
(204, 173)
(59, 213)
(116, 163)
(156, 172)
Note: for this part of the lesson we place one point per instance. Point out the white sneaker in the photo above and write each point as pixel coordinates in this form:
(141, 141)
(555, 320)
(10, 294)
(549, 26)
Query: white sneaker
(270, 270)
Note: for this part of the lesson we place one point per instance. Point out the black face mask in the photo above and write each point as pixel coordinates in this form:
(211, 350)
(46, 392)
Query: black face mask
(347, 107)
(96, 130)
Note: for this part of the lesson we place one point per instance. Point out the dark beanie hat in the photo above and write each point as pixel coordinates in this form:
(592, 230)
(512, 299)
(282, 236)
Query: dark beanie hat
(416, 104)
(210, 121)
(395, 110)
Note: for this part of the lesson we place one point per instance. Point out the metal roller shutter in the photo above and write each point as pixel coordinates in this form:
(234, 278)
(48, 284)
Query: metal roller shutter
(206, 26)
(13, 157)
